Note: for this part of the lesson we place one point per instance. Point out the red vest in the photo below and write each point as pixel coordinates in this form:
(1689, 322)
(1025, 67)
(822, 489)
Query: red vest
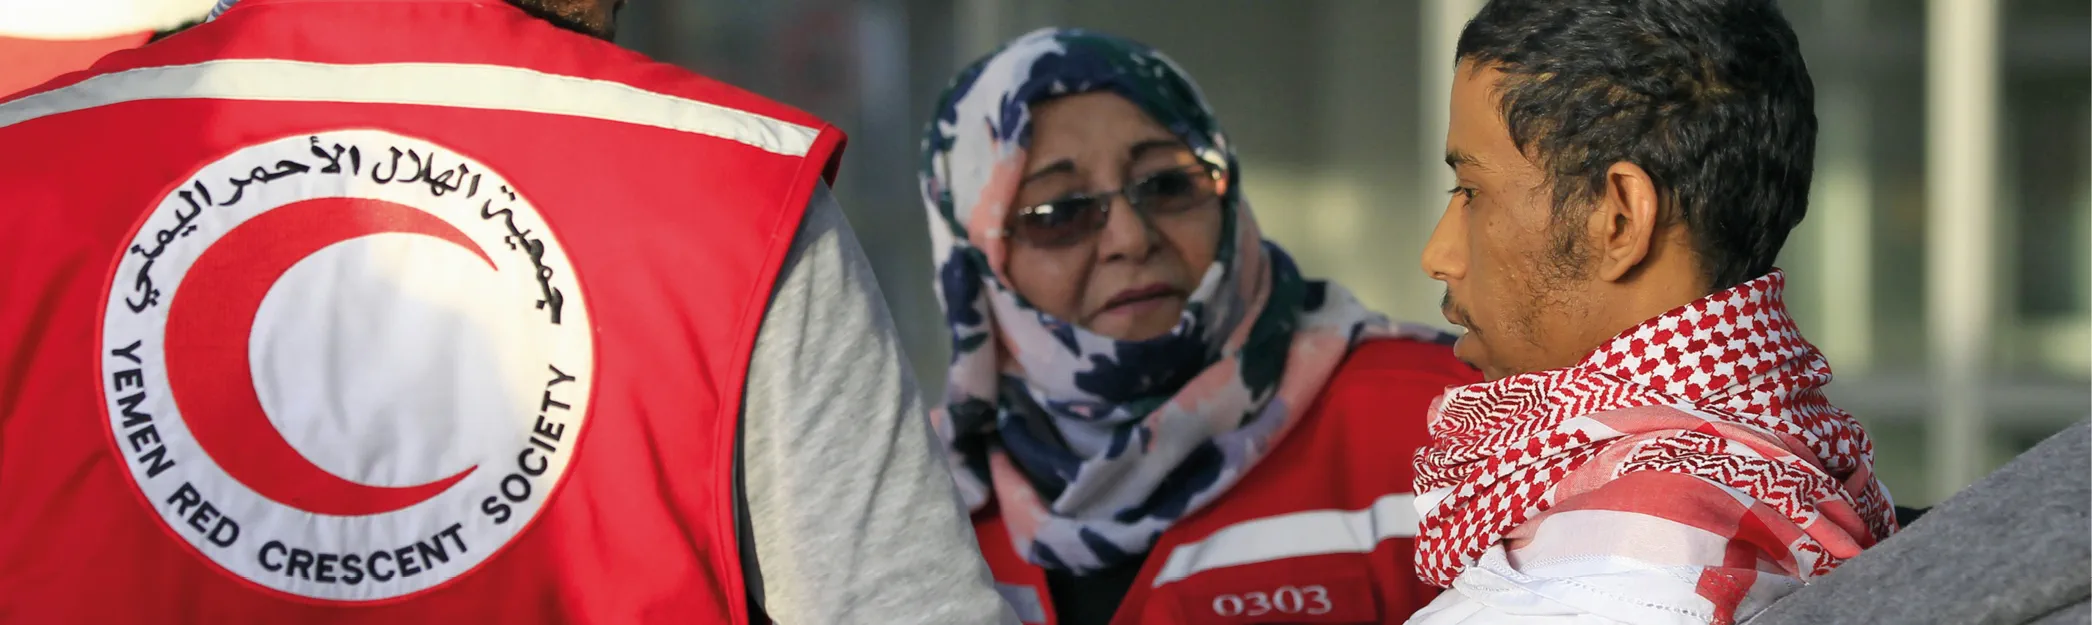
(380, 311)
(1320, 531)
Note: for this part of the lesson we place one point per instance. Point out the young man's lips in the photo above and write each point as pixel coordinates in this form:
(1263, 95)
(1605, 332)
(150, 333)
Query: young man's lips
(1456, 316)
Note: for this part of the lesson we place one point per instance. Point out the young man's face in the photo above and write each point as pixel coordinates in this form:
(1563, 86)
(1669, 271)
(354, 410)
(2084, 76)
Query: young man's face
(1518, 288)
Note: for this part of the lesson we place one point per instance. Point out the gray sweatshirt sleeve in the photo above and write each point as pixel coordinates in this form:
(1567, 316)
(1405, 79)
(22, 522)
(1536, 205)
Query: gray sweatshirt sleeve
(855, 519)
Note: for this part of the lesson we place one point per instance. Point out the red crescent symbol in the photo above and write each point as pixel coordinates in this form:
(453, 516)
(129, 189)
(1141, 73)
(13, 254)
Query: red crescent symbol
(208, 325)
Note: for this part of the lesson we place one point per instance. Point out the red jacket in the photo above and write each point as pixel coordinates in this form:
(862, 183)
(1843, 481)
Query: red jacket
(376, 311)
(1320, 531)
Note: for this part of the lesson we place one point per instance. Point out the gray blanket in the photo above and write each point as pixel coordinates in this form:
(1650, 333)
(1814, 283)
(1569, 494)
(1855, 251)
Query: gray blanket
(2013, 548)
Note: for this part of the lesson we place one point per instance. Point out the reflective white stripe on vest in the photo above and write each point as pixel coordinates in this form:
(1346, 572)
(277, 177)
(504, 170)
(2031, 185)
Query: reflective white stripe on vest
(493, 87)
(1293, 535)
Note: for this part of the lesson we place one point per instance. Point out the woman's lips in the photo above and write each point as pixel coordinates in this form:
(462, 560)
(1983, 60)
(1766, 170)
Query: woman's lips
(1140, 300)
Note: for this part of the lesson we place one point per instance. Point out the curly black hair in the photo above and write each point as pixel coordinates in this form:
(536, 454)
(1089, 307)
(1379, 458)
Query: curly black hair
(1711, 97)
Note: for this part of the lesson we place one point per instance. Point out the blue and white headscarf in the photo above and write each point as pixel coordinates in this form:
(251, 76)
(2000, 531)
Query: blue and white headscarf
(219, 9)
(1091, 446)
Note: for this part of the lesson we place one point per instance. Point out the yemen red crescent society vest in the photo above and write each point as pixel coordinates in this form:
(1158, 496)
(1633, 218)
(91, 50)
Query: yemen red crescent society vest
(383, 312)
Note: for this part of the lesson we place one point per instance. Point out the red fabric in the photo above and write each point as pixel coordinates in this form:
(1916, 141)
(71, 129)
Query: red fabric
(676, 236)
(1351, 448)
(1723, 391)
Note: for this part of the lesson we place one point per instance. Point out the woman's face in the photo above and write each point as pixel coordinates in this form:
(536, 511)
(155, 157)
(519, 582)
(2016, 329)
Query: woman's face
(1128, 279)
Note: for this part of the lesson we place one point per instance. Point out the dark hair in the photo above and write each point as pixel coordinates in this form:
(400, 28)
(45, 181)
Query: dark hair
(170, 32)
(1711, 97)
(575, 15)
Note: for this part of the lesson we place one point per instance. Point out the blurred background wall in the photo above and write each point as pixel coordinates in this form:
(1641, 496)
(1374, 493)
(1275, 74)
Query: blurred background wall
(1945, 266)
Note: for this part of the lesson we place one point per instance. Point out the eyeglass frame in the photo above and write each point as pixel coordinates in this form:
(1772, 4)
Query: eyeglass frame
(1216, 172)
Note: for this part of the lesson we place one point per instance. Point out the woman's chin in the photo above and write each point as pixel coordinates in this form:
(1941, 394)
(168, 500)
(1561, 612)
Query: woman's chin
(1138, 321)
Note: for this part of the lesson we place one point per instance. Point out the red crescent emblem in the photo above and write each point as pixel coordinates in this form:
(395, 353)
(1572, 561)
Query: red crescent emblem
(208, 372)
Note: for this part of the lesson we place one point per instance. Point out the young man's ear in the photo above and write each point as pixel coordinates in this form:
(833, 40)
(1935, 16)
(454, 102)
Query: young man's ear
(1623, 225)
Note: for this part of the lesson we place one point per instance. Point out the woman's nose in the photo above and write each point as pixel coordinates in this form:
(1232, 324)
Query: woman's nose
(1127, 234)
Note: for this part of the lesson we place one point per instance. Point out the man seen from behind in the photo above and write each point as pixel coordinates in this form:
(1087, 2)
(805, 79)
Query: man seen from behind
(426, 311)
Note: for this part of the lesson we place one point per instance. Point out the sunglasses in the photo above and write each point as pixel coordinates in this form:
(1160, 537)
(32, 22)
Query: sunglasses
(1073, 219)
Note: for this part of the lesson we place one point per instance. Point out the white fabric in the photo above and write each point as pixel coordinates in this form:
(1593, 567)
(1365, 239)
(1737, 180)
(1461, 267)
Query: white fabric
(1294, 535)
(1584, 535)
(433, 84)
(1495, 591)
(1504, 586)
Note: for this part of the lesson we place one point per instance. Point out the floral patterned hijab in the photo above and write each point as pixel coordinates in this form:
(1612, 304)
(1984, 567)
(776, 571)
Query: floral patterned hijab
(1091, 446)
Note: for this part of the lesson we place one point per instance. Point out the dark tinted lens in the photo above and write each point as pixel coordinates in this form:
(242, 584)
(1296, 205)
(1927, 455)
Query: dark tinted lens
(1173, 190)
(1060, 222)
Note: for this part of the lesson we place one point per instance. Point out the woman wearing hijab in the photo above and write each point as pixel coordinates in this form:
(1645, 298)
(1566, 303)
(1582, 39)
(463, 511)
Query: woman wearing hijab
(1152, 415)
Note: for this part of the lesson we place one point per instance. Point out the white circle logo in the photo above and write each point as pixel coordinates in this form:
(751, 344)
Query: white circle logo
(348, 366)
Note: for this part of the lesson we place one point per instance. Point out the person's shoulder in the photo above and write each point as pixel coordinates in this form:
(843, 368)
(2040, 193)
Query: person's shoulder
(692, 102)
(1383, 361)
(602, 60)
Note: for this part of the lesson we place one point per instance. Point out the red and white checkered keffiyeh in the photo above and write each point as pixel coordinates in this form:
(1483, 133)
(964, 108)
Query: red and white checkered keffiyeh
(1723, 389)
